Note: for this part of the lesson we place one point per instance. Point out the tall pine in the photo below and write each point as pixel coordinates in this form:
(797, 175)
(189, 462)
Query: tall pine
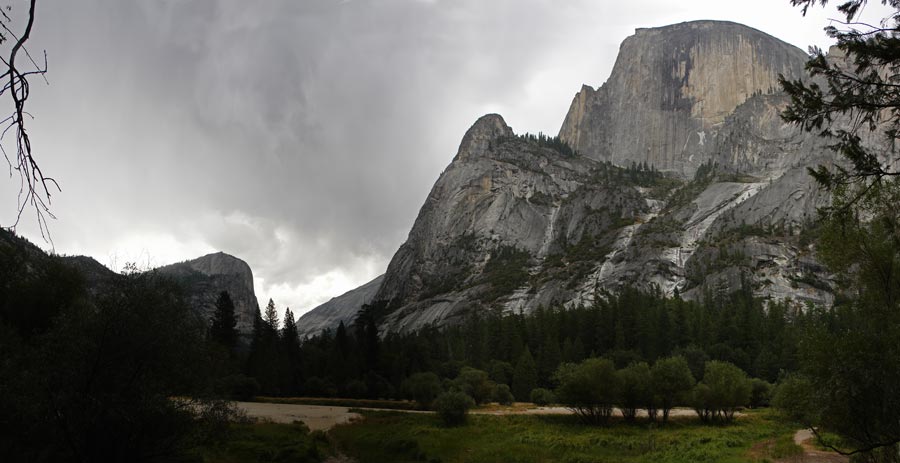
(223, 329)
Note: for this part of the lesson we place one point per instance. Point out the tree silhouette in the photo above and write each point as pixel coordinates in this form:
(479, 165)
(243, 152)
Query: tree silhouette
(223, 329)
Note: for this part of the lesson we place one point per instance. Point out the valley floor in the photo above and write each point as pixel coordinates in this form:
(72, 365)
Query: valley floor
(520, 433)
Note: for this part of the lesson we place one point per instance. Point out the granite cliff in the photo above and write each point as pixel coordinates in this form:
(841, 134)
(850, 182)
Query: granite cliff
(677, 175)
(204, 278)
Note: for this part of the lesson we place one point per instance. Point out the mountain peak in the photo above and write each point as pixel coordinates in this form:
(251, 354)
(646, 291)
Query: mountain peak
(477, 139)
(672, 88)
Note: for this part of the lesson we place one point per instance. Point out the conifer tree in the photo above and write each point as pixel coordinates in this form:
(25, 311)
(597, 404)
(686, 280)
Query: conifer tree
(524, 376)
(224, 323)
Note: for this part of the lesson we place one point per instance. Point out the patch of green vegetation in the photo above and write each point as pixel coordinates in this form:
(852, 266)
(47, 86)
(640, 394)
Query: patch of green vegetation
(577, 260)
(541, 199)
(505, 271)
(810, 280)
(397, 437)
(458, 267)
(267, 442)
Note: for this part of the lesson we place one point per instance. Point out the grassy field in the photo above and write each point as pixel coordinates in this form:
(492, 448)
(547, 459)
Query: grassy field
(267, 442)
(396, 437)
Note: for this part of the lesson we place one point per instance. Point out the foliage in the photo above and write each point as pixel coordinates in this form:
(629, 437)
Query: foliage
(589, 388)
(475, 384)
(555, 143)
(423, 388)
(760, 393)
(95, 381)
(223, 326)
(505, 271)
(523, 351)
(860, 94)
(524, 376)
(636, 390)
(238, 387)
(502, 395)
(267, 442)
(452, 407)
(849, 380)
(542, 397)
(397, 437)
(671, 380)
(724, 389)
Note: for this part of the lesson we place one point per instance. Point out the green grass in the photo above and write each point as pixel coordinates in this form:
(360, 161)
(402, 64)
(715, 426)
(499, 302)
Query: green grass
(267, 442)
(397, 437)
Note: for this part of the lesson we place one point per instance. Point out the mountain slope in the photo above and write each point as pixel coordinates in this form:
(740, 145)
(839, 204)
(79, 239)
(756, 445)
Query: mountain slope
(683, 179)
(339, 309)
(205, 277)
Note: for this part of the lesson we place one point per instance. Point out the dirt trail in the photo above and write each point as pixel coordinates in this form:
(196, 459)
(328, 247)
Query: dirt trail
(804, 438)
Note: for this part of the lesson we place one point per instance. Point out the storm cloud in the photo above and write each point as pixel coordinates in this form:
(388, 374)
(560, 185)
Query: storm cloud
(302, 136)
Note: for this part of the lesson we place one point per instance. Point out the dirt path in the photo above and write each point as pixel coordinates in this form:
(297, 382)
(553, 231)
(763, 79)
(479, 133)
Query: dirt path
(804, 438)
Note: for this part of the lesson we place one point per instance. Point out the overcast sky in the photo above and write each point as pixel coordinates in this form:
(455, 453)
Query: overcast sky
(303, 135)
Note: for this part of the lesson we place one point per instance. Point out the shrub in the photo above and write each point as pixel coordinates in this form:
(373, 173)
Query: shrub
(760, 393)
(356, 389)
(240, 387)
(452, 407)
(475, 383)
(502, 395)
(589, 388)
(635, 390)
(542, 397)
(671, 380)
(724, 389)
(423, 388)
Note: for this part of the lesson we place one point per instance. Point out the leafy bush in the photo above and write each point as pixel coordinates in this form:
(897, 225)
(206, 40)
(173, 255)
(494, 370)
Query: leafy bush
(423, 388)
(671, 381)
(760, 393)
(356, 388)
(635, 390)
(502, 395)
(239, 387)
(475, 384)
(724, 389)
(452, 407)
(589, 388)
(542, 397)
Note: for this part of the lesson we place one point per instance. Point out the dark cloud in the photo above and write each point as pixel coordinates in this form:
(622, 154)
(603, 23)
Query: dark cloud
(301, 136)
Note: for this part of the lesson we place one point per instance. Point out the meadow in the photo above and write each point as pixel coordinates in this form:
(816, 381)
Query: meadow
(757, 436)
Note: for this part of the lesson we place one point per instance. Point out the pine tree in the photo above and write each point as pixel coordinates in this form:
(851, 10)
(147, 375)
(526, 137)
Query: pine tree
(524, 376)
(290, 354)
(223, 329)
(271, 316)
(861, 89)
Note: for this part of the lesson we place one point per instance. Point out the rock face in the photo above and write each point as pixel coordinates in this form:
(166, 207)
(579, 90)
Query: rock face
(339, 309)
(683, 179)
(670, 91)
(205, 277)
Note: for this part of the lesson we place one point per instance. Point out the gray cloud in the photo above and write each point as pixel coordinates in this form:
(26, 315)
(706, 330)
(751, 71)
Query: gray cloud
(302, 136)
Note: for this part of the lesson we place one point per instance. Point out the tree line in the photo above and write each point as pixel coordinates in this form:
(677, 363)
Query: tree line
(525, 351)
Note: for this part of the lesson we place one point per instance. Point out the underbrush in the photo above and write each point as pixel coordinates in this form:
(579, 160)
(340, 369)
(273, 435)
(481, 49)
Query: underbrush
(267, 442)
(398, 437)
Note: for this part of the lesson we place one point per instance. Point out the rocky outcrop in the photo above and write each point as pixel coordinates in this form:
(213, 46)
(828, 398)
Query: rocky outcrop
(672, 89)
(339, 309)
(683, 179)
(206, 277)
